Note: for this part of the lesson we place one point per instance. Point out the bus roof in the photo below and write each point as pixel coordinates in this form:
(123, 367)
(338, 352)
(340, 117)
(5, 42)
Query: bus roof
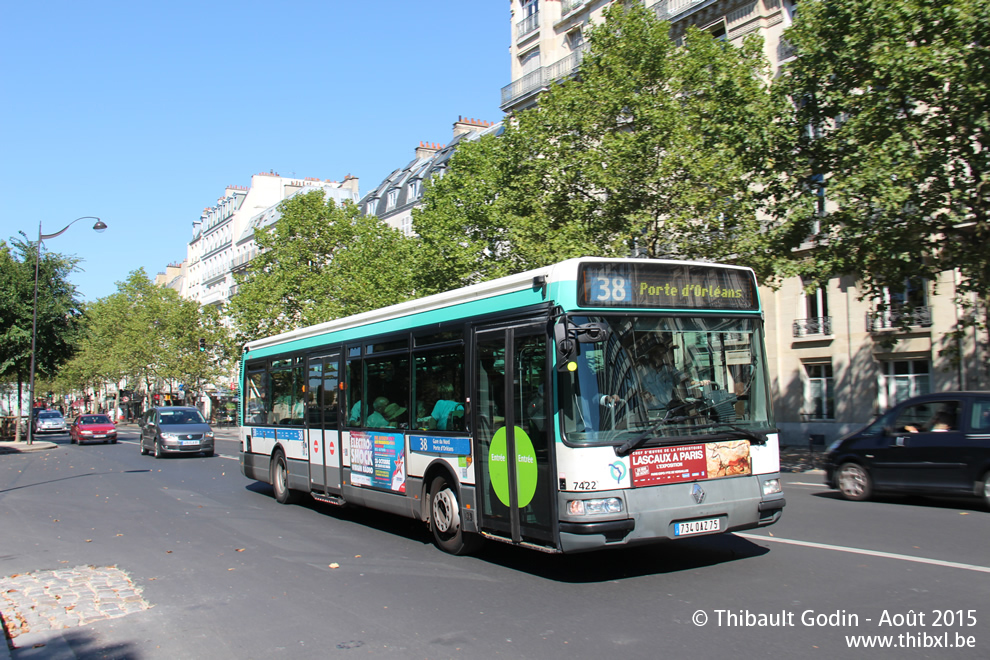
(540, 283)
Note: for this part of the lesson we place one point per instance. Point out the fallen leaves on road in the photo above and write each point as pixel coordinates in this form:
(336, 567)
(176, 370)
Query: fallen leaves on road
(335, 565)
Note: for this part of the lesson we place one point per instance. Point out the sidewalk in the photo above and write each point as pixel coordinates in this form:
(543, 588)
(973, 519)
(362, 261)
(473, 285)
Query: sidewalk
(11, 447)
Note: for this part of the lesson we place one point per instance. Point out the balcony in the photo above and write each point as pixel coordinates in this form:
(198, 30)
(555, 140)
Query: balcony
(896, 318)
(814, 327)
(567, 6)
(527, 25)
(541, 78)
(668, 9)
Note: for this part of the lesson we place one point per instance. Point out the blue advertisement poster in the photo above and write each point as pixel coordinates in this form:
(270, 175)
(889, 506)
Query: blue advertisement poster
(377, 460)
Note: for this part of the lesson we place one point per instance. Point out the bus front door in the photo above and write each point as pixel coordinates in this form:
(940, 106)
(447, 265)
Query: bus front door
(513, 434)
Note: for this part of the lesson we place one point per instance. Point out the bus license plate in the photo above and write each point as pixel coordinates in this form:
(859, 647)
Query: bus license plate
(697, 527)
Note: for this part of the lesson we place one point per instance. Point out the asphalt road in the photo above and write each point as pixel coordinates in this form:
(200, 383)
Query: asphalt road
(210, 566)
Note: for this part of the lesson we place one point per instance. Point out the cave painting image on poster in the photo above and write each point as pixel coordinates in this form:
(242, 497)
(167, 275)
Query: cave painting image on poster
(498, 467)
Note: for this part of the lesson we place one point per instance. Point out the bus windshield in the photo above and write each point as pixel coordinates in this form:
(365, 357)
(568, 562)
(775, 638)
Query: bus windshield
(670, 377)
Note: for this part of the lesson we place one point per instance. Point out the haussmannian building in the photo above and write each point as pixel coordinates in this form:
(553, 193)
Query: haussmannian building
(832, 355)
(223, 236)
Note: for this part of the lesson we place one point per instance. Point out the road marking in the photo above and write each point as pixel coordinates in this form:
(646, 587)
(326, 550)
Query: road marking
(871, 553)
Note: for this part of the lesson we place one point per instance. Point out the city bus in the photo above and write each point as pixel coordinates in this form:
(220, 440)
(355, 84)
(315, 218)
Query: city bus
(595, 403)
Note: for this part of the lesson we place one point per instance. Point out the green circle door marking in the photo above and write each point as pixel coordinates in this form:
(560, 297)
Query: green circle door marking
(498, 467)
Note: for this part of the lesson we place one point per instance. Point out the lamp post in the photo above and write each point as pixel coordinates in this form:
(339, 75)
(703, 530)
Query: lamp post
(99, 227)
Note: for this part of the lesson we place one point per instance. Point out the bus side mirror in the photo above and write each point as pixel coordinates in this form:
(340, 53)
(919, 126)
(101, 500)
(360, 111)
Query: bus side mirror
(566, 347)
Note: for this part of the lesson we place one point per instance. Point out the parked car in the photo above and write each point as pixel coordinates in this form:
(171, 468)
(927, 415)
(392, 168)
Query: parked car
(175, 430)
(92, 428)
(930, 444)
(49, 421)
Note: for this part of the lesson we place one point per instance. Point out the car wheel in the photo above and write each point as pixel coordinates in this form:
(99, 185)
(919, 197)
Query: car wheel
(280, 480)
(208, 454)
(854, 482)
(144, 452)
(158, 449)
(445, 520)
(985, 490)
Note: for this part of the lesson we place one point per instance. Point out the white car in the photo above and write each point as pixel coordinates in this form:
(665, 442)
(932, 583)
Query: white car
(50, 421)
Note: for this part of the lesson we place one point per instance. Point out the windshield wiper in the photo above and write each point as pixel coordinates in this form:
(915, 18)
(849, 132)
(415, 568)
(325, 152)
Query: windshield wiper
(754, 438)
(635, 443)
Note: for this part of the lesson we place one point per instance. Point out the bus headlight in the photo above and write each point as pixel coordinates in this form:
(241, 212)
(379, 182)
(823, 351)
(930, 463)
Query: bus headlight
(771, 486)
(594, 507)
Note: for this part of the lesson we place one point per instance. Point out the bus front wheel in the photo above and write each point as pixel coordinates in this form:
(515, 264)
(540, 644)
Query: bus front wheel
(445, 520)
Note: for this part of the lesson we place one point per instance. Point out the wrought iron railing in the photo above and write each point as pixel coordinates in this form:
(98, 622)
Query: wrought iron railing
(667, 9)
(821, 325)
(917, 317)
(527, 25)
(542, 77)
(567, 6)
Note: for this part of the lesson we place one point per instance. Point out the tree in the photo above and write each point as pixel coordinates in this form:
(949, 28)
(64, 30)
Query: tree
(59, 311)
(885, 165)
(149, 333)
(318, 262)
(654, 149)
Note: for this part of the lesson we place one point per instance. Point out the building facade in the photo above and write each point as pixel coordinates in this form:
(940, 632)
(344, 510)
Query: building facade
(548, 36)
(394, 199)
(836, 359)
(223, 237)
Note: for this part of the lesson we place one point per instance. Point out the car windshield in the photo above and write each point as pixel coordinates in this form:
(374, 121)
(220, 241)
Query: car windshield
(181, 417)
(50, 415)
(94, 419)
(665, 378)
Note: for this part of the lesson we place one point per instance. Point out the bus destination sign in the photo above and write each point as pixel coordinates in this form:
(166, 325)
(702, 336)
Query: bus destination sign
(666, 285)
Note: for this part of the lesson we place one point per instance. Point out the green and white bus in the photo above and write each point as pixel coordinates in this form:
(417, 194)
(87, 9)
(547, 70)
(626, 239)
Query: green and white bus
(590, 404)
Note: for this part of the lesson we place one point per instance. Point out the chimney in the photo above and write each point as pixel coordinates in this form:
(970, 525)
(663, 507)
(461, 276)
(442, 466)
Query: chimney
(427, 149)
(350, 183)
(464, 125)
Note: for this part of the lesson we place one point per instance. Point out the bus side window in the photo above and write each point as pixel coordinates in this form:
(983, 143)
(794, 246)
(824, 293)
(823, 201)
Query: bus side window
(439, 385)
(354, 410)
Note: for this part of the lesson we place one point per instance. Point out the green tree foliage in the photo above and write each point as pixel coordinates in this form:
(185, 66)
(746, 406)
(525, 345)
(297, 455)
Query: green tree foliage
(149, 333)
(59, 310)
(319, 262)
(653, 149)
(890, 129)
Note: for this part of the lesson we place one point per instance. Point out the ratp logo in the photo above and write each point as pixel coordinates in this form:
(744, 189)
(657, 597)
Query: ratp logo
(618, 471)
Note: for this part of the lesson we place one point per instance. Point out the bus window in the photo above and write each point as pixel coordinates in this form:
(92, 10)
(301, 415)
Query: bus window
(256, 395)
(440, 402)
(354, 404)
(287, 396)
(387, 388)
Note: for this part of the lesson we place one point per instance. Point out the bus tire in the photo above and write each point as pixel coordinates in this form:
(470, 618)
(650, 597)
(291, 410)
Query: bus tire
(445, 520)
(854, 482)
(280, 480)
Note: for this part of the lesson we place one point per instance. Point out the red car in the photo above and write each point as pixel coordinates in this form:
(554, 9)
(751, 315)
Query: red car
(93, 428)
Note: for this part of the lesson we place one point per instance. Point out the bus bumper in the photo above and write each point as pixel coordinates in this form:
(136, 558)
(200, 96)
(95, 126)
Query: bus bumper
(652, 513)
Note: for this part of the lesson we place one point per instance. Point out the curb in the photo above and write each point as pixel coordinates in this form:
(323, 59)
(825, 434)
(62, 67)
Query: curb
(12, 447)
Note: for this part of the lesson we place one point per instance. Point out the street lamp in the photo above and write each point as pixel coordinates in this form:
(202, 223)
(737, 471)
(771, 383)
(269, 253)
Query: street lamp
(100, 226)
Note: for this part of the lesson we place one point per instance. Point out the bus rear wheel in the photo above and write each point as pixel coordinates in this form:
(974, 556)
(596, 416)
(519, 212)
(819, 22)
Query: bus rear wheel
(280, 480)
(445, 520)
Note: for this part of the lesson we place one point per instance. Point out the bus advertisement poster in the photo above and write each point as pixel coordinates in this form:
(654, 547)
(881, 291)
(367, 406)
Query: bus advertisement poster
(667, 465)
(377, 460)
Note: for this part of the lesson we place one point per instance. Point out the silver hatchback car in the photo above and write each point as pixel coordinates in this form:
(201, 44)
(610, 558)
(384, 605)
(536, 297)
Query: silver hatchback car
(175, 430)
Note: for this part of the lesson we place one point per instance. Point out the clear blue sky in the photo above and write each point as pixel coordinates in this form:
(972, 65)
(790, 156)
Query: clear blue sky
(142, 113)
